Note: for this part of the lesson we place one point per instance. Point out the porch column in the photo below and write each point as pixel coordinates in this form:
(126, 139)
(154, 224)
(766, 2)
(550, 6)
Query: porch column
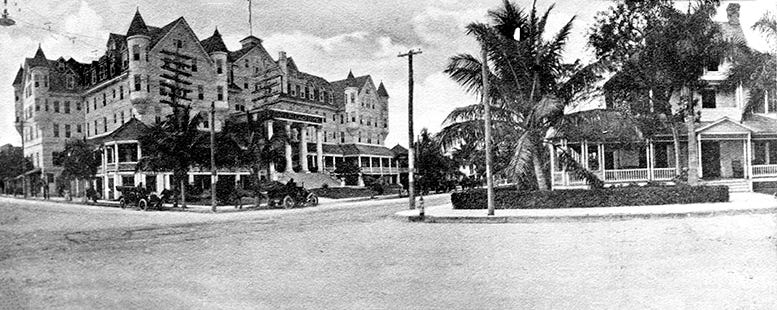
(380, 164)
(287, 147)
(584, 155)
(698, 151)
(749, 156)
(564, 174)
(116, 155)
(651, 160)
(139, 152)
(320, 149)
(552, 152)
(269, 136)
(303, 149)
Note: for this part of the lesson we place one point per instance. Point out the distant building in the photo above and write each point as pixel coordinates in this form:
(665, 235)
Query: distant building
(735, 148)
(110, 100)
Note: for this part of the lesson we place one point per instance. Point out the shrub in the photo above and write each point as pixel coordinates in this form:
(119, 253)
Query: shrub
(509, 198)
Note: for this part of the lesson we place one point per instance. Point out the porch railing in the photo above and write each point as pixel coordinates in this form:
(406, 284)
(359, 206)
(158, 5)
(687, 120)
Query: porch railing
(764, 170)
(626, 175)
(663, 174)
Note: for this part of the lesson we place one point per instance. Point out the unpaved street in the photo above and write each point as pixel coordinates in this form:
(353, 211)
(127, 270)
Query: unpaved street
(356, 256)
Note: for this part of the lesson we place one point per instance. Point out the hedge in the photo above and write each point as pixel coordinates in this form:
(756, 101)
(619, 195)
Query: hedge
(509, 198)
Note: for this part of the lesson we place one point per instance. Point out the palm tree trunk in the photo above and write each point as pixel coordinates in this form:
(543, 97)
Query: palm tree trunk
(183, 193)
(676, 140)
(693, 156)
(539, 172)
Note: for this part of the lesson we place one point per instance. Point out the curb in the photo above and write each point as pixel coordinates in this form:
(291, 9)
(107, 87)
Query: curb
(504, 219)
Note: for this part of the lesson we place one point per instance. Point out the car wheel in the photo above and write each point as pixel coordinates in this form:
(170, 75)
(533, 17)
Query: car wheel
(312, 200)
(122, 203)
(143, 205)
(288, 202)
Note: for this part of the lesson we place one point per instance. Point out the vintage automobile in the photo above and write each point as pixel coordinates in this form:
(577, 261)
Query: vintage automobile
(289, 196)
(140, 197)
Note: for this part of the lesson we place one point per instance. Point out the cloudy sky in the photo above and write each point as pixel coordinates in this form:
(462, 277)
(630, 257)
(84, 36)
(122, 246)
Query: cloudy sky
(326, 38)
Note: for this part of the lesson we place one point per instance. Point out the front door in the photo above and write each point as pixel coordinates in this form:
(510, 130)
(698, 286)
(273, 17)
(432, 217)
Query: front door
(710, 159)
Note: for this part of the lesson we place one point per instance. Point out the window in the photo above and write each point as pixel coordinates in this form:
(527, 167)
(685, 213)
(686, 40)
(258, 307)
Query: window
(136, 52)
(220, 93)
(115, 119)
(307, 93)
(37, 105)
(342, 137)
(194, 64)
(122, 117)
(353, 98)
(56, 130)
(245, 86)
(87, 128)
(708, 99)
(105, 124)
(219, 66)
(105, 101)
(200, 92)
(95, 126)
(136, 78)
(162, 89)
(713, 63)
(178, 43)
(71, 82)
(299, 93)
(206, 121)
(94, 101)
(121, 92)
(67, 131)
(342, 119)
(78, 105)
(114, 93)
(56, 106)
(78, 128)
(246, 63)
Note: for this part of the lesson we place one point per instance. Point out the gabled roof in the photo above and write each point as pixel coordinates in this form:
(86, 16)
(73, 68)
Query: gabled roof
(361, 149)
(761, 124)
(39, 60)
(19, 77)
(137, 26)
(291, 64)
(382, 90)
(214, 43)
(399, 150)
(131, 130)
(728, 123)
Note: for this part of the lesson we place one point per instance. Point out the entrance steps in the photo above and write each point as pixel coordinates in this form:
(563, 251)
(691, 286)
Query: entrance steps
(309, 180)
(734, 185)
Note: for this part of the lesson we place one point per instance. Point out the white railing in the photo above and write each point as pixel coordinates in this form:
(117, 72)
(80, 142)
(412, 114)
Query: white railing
(626, 175)
(764, 170)
(663, 173)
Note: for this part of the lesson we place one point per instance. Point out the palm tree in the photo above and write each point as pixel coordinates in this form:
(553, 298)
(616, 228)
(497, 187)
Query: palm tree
(529, 87)
(756, 70)
(175, 145)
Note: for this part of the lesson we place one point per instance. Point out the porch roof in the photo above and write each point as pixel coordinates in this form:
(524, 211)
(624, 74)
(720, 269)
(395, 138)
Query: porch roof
(130, 130)
(598, 125)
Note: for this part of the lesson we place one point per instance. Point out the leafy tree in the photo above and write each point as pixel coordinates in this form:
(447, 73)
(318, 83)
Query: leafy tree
(529, 87)
(433, 166)
(660, 52)
(756, 70)
(11, 161)
(349, 170)
(78, 161)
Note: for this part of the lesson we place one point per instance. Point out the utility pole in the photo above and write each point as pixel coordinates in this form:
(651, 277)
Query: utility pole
(213, 174)
(410, 157)
(24, 163)
(487, 117)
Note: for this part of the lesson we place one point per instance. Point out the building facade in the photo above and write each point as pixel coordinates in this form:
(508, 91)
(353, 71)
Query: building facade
(110, 100)
(737, 148)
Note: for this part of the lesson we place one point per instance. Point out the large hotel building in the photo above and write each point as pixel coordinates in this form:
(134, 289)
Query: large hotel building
(112, 100)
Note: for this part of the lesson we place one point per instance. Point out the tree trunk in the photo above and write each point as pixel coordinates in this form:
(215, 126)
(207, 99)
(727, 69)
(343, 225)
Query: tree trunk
(539, 172)
(676, 140)
(183, 193)
(693, 156)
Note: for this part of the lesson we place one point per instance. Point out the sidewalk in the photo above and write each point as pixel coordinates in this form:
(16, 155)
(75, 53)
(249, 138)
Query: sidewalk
(740, 203)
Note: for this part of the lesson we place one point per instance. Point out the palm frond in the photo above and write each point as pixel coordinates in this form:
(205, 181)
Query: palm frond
(568, 161)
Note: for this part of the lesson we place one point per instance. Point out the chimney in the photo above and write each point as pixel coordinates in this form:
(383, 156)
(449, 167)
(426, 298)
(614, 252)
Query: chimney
(733, 13)
(283, 64)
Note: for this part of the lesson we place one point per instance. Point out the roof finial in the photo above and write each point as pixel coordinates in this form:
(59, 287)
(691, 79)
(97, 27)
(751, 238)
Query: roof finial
(350, 74)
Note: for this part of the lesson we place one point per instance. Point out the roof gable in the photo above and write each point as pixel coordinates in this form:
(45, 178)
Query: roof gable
(214, 43)
(724, 125)
(179, 26)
